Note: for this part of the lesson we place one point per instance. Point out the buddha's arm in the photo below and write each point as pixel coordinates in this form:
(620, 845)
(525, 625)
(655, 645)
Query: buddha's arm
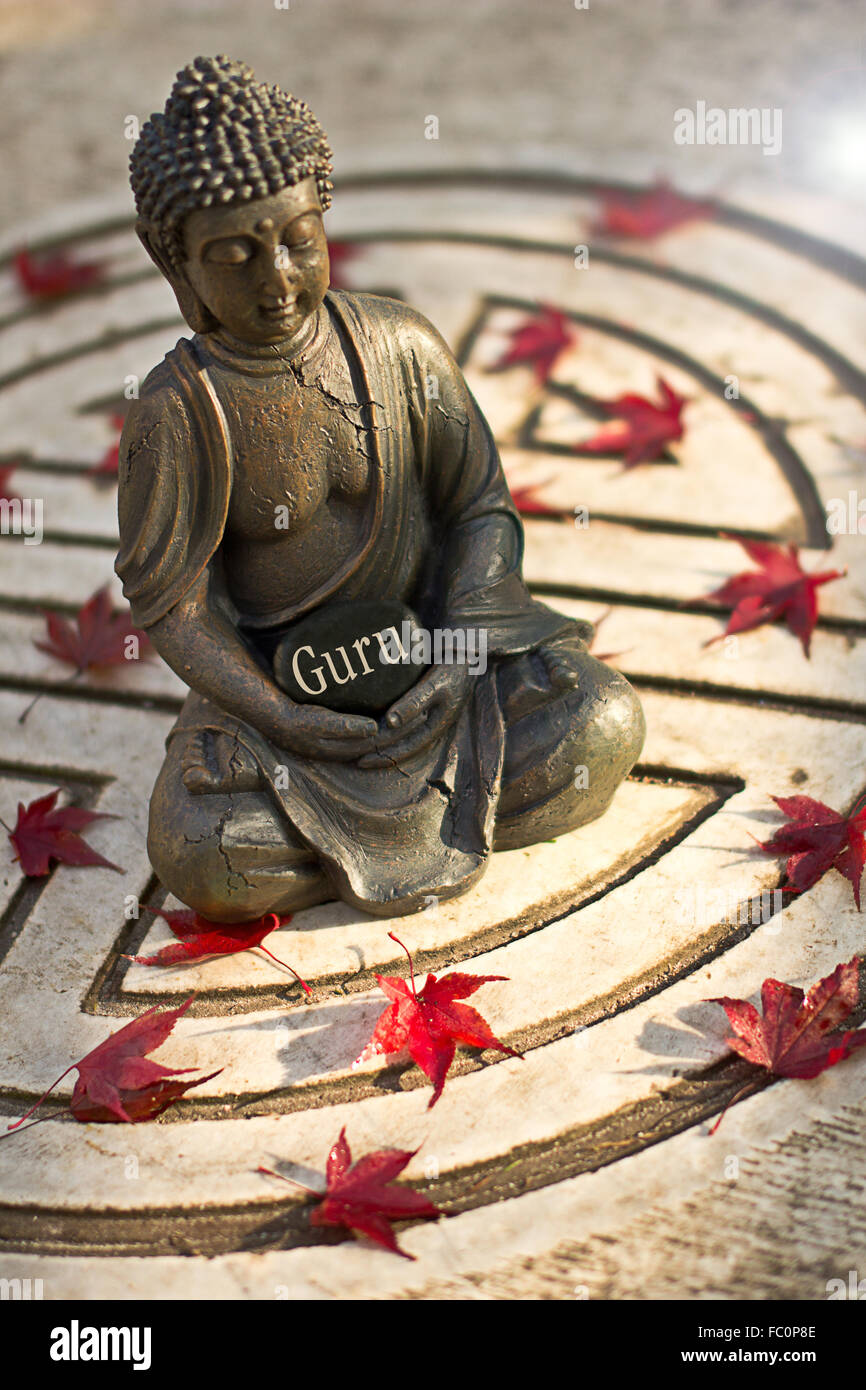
(201, 646)
(160, 533)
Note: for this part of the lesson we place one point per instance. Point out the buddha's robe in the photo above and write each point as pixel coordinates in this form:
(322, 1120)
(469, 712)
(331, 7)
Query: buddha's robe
(439, 532)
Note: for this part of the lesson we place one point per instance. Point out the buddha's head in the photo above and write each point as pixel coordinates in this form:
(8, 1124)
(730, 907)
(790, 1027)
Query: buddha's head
(230, 184)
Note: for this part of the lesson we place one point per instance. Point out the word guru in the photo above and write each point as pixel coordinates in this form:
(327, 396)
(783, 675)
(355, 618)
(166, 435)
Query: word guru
(444, 646)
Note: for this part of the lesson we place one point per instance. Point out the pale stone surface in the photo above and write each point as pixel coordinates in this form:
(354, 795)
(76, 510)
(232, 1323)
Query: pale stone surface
(519, 888)
(589, 90)
(612, 938)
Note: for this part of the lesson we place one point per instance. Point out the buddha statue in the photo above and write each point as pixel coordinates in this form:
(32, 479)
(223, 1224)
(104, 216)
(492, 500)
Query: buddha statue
(311, 453)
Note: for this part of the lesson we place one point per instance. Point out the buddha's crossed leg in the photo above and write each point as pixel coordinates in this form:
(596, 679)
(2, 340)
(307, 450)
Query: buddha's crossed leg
(574, 729)
(571, 737)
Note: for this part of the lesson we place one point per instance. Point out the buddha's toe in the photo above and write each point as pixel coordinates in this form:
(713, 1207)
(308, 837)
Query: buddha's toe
(560, 669)
(199, 780)
(198, 776)
(214, 762)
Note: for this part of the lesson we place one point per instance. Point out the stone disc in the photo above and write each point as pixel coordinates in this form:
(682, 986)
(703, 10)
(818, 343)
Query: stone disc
(612, 938)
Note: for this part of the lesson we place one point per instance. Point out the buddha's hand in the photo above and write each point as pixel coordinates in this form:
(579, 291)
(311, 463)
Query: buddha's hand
(312, 731)
(418, 718)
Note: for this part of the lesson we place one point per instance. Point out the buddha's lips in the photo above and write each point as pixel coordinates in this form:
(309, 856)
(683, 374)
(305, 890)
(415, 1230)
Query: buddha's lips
(278, 311)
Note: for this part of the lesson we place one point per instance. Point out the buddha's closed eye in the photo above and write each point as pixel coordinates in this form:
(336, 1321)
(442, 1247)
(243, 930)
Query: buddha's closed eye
(229, 252)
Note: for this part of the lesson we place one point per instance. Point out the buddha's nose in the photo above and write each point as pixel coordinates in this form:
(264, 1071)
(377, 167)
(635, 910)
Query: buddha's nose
(279, 276)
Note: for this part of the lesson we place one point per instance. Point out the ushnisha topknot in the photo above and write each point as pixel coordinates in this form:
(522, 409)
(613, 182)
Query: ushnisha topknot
(223, 138)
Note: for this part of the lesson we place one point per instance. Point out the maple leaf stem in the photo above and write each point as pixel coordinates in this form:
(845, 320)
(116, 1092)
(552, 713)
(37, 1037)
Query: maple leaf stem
(7, 828)
(282, 1177)
(36, 697)
(12, 1130)
(41, 1098)
(739, 1095)
(286, 966)
(411, 967)
(79, 671)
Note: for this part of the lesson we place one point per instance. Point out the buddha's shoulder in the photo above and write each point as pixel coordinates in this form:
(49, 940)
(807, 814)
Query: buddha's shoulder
(160, 404)
(398, 321)
(159, 384)
(164, 377)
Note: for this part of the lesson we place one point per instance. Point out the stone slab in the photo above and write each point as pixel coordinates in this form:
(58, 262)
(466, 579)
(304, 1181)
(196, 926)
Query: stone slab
(612, 938)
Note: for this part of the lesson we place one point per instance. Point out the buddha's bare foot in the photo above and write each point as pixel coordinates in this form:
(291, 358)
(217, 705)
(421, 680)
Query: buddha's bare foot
(217, 763)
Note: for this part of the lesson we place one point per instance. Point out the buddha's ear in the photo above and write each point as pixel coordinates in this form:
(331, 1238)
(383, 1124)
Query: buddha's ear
(196, 313)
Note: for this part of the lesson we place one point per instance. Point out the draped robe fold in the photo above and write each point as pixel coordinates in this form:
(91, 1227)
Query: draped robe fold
(441, 533)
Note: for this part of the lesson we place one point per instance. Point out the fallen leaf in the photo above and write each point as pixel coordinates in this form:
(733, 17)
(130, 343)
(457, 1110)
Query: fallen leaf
(363, 1196)
(538, 342)
(118, 1082)
(649, 213)
(429, 1022)
(339, 252)
(197, 938)
(5, 475)
(819, 839)
(528, 503)
(779, 589)
(42, 833)
(796, 1037)
(52, 277)
(645, 430)
(99, 636)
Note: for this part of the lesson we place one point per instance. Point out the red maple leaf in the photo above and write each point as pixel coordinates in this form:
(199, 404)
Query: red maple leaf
(539, 341)
(526, 500)
(430, 1023)
(339, 252)
(5, 475)
(198, 937)
(52, 277)
(796, 1036)
(645, 430)
(117, 1082)
(650, 212)
(109, 464)
(97, 638)
(528, 503)
(363, 1196)
(819, 839)
(42, 833)
(779, 589)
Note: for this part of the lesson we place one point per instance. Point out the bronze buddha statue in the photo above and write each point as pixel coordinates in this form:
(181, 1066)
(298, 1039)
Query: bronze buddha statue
(309, 451)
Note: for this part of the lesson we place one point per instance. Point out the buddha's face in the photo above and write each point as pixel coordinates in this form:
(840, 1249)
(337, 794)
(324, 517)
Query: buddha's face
(261, 268)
